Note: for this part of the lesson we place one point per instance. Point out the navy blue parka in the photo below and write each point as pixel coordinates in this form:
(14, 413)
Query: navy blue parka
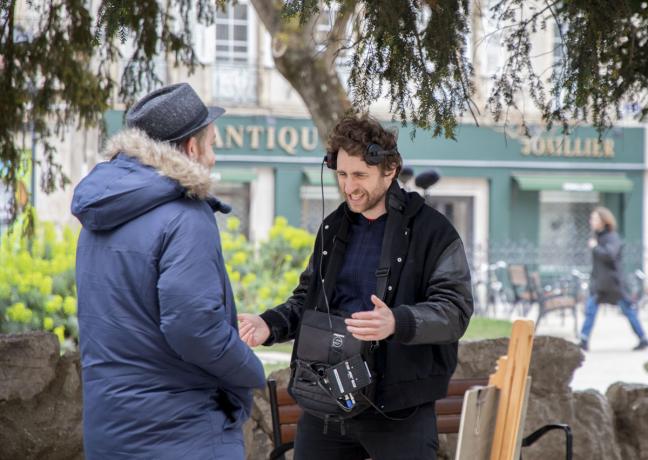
(165, 375)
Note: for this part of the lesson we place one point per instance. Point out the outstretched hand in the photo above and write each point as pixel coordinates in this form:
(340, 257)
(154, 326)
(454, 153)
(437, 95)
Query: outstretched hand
(252, 329)
(377, 324)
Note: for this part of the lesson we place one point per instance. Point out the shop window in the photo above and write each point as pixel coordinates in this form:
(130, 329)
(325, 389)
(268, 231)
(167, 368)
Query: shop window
(237, 195)
(311, 205)
(460, 211)
(564, 227)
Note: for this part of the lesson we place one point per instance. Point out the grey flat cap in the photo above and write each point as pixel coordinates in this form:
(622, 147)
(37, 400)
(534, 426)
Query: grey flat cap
(171, 113)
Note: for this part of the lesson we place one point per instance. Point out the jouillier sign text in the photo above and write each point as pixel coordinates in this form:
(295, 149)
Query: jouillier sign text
(567, 147)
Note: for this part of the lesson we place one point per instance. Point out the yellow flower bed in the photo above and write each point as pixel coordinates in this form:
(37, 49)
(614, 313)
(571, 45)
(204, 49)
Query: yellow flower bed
(37, 288)
(265, 276)
(38, 291)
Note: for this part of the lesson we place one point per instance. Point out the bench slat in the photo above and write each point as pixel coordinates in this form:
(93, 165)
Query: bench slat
(449, 405)
(288, 433)
(289, 414)
(448, 409)
(447, 424)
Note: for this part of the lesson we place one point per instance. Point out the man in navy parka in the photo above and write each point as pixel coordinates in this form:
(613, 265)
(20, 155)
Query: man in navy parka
(165, 375)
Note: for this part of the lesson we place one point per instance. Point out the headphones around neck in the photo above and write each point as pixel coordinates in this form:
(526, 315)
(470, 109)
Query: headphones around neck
(372, 156)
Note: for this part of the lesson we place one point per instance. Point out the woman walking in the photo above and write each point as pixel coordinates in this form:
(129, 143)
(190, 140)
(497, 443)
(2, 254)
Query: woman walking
(606, 282)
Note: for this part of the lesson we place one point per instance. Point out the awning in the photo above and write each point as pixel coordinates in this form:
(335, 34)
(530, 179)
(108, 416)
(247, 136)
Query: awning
(233, 175)
(312, 176)
(615, 183)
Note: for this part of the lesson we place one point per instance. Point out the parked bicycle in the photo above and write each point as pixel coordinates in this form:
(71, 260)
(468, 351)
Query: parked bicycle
(490, 289)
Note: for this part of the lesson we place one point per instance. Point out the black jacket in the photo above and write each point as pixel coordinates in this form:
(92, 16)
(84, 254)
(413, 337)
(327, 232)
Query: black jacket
(432, 301)
(606, 281)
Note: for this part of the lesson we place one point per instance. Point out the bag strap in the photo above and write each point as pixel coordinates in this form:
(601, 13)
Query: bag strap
(340, 241)
(385, 276)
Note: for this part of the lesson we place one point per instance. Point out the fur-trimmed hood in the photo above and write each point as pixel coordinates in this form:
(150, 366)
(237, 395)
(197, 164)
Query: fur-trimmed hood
(141, 174)
(163, 157)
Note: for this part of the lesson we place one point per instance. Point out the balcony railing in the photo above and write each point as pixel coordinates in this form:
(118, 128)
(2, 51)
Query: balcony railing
(235, 83)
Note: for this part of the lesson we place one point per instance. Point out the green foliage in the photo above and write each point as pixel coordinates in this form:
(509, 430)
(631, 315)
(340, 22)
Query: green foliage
(411, 44)
(603, 51)
(265, 276)
(55, 61)
(45, 72)
(56, 68)
(37, 278)
(37, 286)
(416, 54)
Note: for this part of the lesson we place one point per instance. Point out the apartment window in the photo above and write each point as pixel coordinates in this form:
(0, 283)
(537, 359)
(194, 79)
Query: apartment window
(232, 38)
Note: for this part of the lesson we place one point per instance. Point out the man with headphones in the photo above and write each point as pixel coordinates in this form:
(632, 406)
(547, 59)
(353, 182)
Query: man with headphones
(397, 270)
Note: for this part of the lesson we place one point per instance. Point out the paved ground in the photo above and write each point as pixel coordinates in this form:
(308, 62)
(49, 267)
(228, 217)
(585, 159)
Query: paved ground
(609, 360)
(272, 357)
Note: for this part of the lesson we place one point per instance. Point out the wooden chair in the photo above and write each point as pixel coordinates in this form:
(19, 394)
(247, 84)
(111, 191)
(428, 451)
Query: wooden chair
(524, 295)
(528, 290)
(563, 299)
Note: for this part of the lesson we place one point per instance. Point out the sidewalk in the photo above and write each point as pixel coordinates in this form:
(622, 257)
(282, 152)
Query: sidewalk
(610, 358)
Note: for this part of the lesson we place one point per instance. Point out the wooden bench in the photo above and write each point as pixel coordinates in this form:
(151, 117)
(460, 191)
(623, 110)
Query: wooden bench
(501, 424)
(285, 412)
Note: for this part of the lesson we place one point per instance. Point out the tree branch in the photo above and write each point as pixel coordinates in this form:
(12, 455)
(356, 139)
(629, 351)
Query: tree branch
(338, 34)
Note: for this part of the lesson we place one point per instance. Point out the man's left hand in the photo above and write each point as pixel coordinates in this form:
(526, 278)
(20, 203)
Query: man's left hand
(377, 324)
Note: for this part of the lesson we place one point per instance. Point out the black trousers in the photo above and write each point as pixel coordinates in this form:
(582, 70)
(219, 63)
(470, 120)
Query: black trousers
(370, 435)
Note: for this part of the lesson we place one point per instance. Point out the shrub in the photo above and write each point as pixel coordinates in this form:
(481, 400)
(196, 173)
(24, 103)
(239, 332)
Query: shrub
(37, 288)
(264, 277)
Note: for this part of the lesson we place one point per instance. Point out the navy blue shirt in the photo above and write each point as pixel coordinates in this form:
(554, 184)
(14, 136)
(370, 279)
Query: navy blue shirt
(356, 281)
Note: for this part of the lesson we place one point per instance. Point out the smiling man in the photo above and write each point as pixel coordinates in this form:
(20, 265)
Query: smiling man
(396, 270)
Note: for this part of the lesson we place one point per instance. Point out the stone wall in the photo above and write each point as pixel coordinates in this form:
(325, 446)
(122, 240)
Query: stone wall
(603, 428)
(40, 403)
(40, 399)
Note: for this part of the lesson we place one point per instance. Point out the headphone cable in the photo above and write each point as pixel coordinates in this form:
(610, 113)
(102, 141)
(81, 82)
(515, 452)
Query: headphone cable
(321, 274)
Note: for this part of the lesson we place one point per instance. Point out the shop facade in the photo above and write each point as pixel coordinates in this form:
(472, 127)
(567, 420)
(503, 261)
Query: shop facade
(504, 191)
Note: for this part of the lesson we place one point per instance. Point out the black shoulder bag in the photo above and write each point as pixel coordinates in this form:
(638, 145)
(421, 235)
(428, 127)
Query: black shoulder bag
(332, 373)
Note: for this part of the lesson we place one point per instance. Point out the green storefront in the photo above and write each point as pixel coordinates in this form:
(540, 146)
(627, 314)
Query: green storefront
(501, 188)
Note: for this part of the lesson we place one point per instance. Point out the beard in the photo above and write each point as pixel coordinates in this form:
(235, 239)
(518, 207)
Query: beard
(370, 200)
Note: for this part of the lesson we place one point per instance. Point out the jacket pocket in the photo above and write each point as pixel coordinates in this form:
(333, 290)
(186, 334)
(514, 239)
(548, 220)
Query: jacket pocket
(224, 433)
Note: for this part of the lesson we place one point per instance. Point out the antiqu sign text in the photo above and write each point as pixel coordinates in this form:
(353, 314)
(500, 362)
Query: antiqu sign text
(287, 138)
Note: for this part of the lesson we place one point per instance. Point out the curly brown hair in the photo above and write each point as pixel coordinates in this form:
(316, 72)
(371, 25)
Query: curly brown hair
(355, 133)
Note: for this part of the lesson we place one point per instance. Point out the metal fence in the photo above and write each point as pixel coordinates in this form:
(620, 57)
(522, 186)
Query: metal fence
(561, 265)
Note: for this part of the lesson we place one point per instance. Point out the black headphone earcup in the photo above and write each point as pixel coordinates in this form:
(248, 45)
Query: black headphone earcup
(373, 154)
(329, 159)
